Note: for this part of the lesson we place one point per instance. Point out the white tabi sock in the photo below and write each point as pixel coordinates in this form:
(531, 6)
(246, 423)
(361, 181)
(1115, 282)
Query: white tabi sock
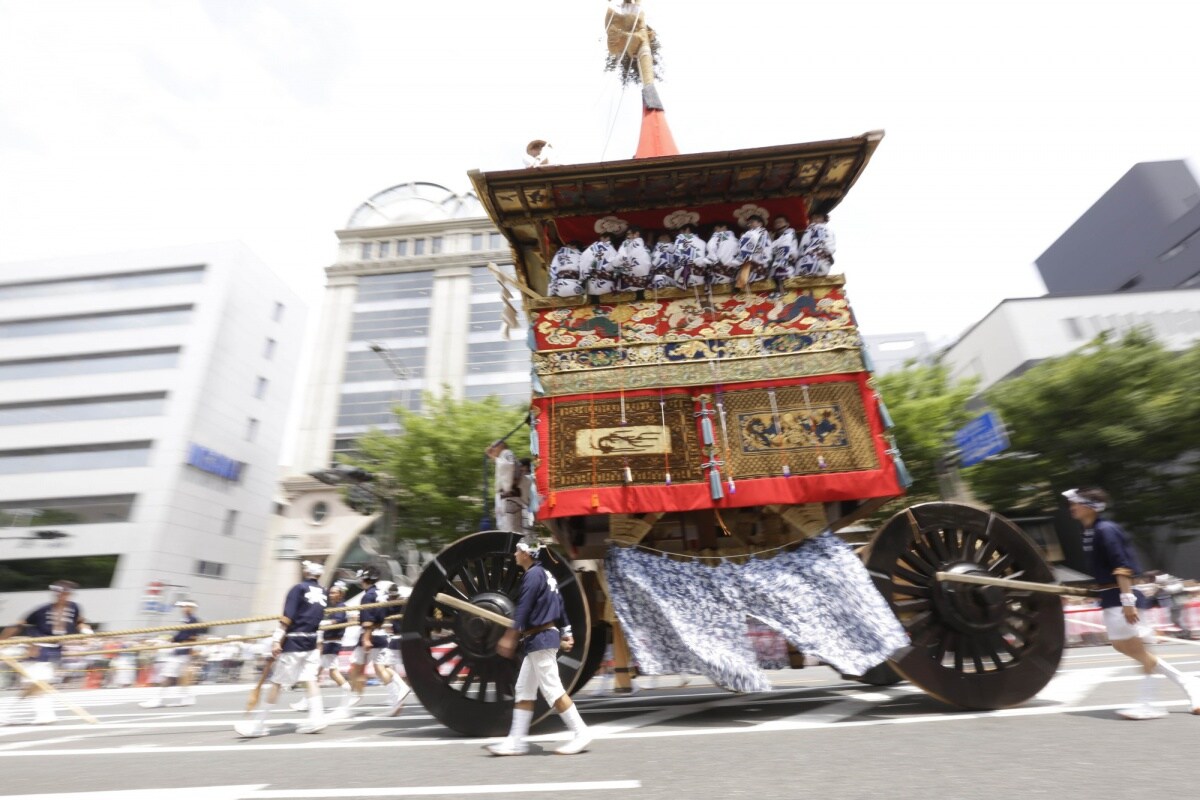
(1172, 673)
(400, 689)
(573, 720)
(520, 724)
(1146, 690)
(316, 708)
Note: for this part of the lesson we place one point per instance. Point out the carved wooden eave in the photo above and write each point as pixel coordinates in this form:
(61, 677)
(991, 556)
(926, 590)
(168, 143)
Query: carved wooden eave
(519, 202)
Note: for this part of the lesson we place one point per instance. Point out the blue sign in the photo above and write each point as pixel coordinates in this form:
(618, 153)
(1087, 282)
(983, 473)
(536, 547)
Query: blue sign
(981, 437)
(213, 462)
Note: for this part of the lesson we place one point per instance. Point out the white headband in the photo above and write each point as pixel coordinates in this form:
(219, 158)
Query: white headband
(185, 604)
(1073, 496)
(532, 549)
(312, 568)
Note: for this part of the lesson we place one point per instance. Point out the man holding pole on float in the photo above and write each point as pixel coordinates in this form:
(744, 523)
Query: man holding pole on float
(59, 617)
(1111, 557)
(540, 627)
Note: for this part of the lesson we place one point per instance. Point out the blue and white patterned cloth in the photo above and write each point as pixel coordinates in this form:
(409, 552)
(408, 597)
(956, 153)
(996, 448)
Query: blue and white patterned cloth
(690, 617)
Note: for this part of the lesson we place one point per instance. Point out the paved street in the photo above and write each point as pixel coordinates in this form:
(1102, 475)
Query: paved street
(816, 735)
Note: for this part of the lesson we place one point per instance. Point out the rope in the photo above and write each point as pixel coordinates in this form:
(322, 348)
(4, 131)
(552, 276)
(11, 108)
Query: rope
(752, 554)
(190, 626)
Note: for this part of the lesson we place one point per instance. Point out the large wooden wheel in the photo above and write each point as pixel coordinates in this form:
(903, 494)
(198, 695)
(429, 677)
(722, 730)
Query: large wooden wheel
(978, 647)
(450, 655)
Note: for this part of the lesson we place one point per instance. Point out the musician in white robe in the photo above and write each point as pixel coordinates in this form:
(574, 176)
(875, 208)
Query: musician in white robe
(633, 263)
(722, 255)
(816, 247)
(785, 250)
(596, 266)
(689, 260)
(662, 276)
(754, 252)
(565, 277)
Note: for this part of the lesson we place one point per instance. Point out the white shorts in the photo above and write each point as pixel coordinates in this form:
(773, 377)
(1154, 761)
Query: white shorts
(330, 661)
(379, 655)
(173, 666)
(539, 670)
(38, 671)
(293, 668)
(1119, 629)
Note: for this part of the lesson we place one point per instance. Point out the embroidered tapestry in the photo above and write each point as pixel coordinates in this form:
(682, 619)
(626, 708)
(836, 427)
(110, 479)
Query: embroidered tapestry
(687, 616)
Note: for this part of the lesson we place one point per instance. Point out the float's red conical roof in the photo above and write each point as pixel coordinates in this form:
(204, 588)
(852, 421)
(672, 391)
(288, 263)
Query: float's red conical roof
(656, 138)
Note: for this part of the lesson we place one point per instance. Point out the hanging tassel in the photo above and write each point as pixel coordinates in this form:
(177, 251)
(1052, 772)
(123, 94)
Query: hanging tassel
(668, 479)
(885, 416)
(732, 486)
(714, 484)
(706, 429)
(868, 363)
(821, 462)
(535, 448)
(902, 473)
(787, 471)
(628, 474)
(595, 500)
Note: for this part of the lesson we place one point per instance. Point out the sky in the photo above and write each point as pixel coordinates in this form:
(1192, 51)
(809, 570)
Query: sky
(128, 124)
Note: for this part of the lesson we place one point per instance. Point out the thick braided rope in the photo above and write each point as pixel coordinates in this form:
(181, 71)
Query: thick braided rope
(196, 645)
(190, 626)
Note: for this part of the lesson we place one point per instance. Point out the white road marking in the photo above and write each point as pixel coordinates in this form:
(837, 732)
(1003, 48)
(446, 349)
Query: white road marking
(182, 793)
(257, 792)
(416, 791)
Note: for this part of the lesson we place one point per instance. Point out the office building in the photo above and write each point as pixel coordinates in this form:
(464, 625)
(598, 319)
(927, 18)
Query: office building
(142, 405)
(1143, 234)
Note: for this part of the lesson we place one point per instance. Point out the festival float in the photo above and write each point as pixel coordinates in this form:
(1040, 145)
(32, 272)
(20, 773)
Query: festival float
(698, 447)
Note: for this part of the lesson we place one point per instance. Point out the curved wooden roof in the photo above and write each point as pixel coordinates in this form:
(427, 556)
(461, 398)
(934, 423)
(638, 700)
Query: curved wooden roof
(522, 202)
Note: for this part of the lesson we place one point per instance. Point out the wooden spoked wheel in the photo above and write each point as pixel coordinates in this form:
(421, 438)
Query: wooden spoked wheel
(450, 655)
(977, 647)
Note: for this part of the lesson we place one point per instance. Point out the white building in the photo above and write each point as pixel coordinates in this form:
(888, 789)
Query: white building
(410, 306)
(142, 406)
(1020, 332)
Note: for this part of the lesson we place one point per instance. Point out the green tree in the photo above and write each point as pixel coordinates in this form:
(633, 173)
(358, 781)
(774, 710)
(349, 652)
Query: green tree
(1124, 415)
(437, 459)
(926, 409)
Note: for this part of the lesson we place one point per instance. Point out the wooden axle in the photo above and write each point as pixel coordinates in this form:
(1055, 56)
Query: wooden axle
(471, 608)
(1004, 583)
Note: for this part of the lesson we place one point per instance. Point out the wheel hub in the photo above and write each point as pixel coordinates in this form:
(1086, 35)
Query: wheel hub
(476, 635)
(970, 608)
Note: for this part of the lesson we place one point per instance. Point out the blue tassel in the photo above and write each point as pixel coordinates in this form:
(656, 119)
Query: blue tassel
(868, 362)
(535, 447)
(902, 473)
(714, 483)
(887, 418)
(706, 429)
(787, 471)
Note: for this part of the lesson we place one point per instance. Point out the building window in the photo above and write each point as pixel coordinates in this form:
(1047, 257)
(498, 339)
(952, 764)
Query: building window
(91, 364)
(66, 511)
(210, 569)
(277, 314)
(418, 247)
(34, 574)
(269, 349)
(476, 241)
(437, 244)
(385, 249)
(402, 247)
(230, 525)
(366, 251)
(251, 429)
(495, 241)
(320, 511)
(92, 323)
(84, 408)
(103, 283)
(260, 387)
(116, 455)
